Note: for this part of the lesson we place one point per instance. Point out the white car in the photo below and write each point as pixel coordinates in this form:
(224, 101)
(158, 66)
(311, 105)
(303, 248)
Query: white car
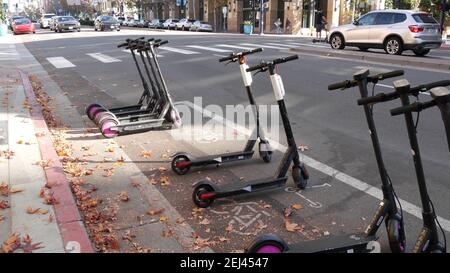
(45, 20)
(392, 30)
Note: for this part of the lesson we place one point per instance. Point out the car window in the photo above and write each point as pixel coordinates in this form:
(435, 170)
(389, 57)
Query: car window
(49, 16)
(23, 21)
(399, 17)
(65, 19)
(175, 21)
(108, 18)
(384, 18)
(367, 19)
(191, 20)
(424, 18)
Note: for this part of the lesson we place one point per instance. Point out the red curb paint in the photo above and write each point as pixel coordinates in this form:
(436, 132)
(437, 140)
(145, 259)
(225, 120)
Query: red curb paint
(67, 215)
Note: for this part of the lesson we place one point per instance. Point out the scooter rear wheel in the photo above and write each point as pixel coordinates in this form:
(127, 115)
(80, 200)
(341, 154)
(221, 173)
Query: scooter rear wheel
(91, 109)
(265, 154)
(262, 245)
(198, 191)
(394, 232)
(106, 128)
(98, 114)
(181, 164)
(300, 176)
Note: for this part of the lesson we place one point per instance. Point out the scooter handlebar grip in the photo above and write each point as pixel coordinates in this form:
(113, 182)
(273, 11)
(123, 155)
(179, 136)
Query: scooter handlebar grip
(256, 50)
(161, 43)
(426, 87)
(256, 67)
(122, 45)
(341, 85)
(285, 59)
(390, 74)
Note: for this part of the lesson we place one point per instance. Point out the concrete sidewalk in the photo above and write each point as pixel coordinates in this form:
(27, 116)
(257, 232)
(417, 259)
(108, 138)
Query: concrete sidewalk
(89, 184)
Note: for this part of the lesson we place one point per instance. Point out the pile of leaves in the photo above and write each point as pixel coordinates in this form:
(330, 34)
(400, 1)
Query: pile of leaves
(17, 244)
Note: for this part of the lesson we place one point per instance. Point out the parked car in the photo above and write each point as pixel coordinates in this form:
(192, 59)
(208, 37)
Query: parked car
(121, 20)
(45, 20)
(184, 24)
(12, 19)
(392, 30)
(170, 23)
(106, 22)
(142, 24)
(67, 23)
(156, 23)
(131, 23)
(201, 26)
(23, 25)
(52, 23)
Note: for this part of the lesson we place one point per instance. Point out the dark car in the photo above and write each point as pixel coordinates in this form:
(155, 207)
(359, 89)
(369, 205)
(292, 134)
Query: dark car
(156, 23)
(105, 22)
(66, 23)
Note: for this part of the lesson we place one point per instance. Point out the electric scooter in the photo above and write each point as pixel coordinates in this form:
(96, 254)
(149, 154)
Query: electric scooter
(182, 162)
(161, 114)
(205, 191)
(143, 101)
(387, 209)
(428, 241)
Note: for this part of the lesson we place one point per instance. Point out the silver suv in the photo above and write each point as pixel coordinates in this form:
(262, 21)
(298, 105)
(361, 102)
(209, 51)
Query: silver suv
(392, 30)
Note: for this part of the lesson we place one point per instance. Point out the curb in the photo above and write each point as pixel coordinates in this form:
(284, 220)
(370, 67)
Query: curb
(73, 232)
(378, 59)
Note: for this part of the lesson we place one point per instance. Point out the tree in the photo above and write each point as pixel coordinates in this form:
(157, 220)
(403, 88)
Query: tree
(2, 15)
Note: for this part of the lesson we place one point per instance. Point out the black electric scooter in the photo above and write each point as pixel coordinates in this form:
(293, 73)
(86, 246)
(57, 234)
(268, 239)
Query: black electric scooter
(428, 241)
(143, 101)
(348, 243)
(205, 191)
(182, 161)
(387, 210)
(160, 114)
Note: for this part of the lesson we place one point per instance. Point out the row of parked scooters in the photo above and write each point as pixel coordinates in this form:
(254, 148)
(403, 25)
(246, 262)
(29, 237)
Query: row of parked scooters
(155, 110)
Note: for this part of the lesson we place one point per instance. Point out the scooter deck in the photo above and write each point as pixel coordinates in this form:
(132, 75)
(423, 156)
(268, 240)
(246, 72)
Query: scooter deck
(222, 158)
(251, 186)
(349, 243)
(140, 125)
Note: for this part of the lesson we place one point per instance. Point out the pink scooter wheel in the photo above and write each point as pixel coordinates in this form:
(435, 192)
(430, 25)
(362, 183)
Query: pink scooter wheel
(109, 129)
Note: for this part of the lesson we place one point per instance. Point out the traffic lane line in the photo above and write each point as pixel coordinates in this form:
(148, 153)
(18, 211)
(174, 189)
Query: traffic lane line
(321, 167)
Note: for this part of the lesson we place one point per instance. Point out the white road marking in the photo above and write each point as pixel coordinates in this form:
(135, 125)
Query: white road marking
(265, 46)
(321, 167)
(103, 58)
(60, 62)
(237, 47)
(311, 45)
(128, 51)
(281, 45)
(178, 50)
(209, 48)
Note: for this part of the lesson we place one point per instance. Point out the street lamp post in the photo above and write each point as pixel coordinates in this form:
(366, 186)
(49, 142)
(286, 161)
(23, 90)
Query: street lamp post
(261, 17)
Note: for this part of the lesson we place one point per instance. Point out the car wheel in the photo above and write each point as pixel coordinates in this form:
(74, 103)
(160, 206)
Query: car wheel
(95, 29)
(60, 30)
(363, 48)
(337, 41)
(118, 29)
(421, 52)
(393, 46)
(56, 30)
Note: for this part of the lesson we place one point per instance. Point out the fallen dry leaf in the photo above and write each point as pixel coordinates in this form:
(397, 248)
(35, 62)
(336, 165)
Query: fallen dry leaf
(123, 196)
(4, 204)
(162, 169)
(164, 180)
(155, 212)
(292, 227)
(167, 233)
(204, 222)
(303, 147)
(287, 212)
(296, 206)
(30, 210)
(162, 219)
(146, 154)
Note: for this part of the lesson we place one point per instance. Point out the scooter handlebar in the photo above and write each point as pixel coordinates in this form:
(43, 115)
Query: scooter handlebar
(426, 87)
(264, 65)
(285, 59)
(235, 55)
(414, 107)
(158, 44)
(342, 85)
(383, 76)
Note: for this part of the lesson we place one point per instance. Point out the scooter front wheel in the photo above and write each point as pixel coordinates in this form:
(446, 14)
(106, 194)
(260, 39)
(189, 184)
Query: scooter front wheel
(203, 195)
(181, 164)
(268, 244)
(395, 233)
(107, 128)
(300, 176)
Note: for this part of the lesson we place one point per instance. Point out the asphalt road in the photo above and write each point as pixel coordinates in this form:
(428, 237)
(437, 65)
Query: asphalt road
(330, 124)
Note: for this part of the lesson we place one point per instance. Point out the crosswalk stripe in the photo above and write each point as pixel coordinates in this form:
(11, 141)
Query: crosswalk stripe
(60, 62)
(265, 46)
(281, 45)
(128, 51)
(178, 50)
(236, 46)
(311, 45)
(209, 48)
(103, 58)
